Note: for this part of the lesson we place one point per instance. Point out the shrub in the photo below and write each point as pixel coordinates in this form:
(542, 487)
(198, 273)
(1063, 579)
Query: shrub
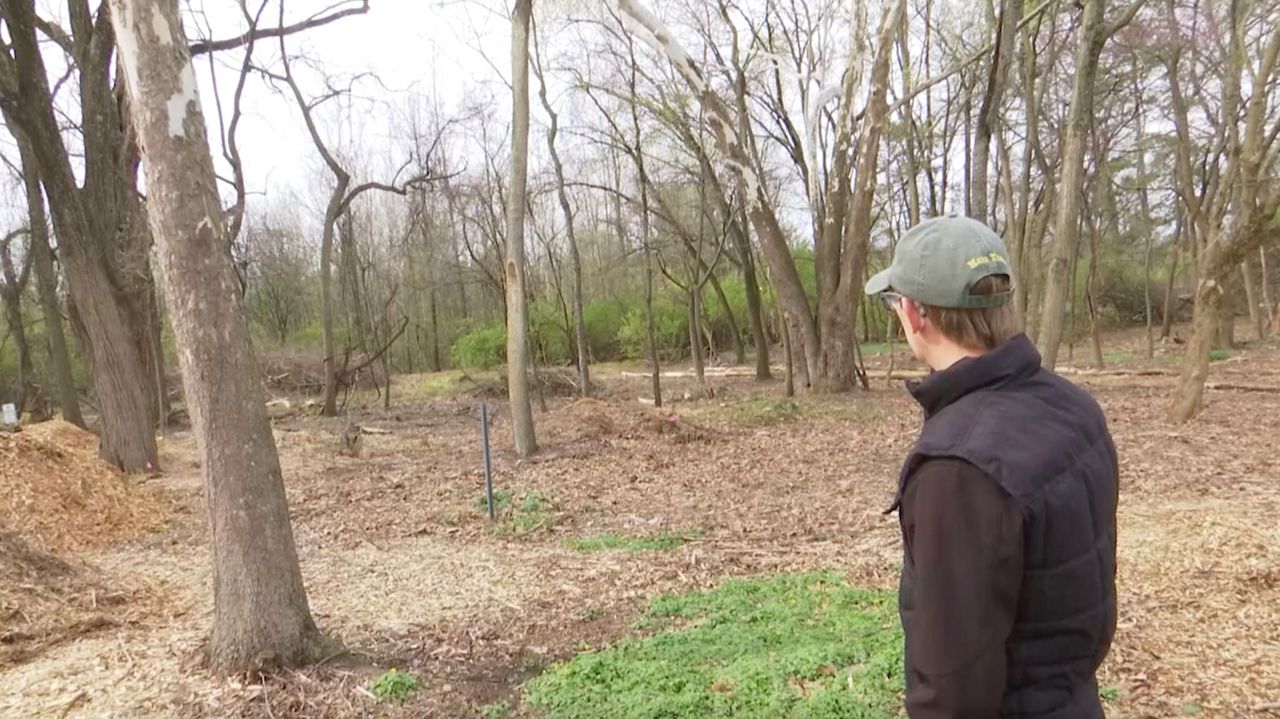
(482, 347)
(604, 319)
(671, 329)
(551, 341)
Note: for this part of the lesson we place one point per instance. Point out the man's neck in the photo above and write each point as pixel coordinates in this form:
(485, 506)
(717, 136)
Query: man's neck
(943, 356)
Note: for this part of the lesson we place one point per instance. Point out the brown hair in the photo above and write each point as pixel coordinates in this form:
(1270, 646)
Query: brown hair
(982, 328)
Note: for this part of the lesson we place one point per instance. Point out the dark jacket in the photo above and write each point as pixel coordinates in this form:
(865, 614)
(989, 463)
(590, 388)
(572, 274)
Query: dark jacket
(1007, 505)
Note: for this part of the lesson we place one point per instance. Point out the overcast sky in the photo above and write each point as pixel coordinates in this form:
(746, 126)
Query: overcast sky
(424, 48)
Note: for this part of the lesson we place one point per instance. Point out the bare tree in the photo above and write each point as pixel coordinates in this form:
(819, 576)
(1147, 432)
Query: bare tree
(340, 198)
(526, 442)
(101, 229)
(1094, 33)
(988, 115)
(1256, 203)
(261, 616)
(579, 315)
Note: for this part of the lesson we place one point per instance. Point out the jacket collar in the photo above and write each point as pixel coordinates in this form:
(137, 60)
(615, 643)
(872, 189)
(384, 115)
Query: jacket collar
(1015, 359)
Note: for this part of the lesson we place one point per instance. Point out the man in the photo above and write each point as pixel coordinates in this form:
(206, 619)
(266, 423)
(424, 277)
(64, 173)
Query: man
(1007, 502)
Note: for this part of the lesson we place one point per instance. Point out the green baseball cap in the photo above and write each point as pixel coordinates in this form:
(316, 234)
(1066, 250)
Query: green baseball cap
(938, 262)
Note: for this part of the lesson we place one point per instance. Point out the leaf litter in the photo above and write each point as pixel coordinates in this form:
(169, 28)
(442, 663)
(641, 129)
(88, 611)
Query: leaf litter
(400, 563)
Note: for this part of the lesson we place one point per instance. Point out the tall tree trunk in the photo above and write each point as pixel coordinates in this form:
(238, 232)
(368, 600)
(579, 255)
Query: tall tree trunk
(330, 407)
(695, 338)
(526, 442)
(1146, 292)
(1093, 34)
(1227, 315)
(1021, 248)
(153, 336)
(47, 286)
(1266, 287)
(988, 114)
(1035, 263)
(1092, 294)
(436, 363)
(1166, 322)
(1251, 297)
(81, 216)
(261, 614)
(582, 352)
(642, 179)
(755, 311)
(839, 338)
(1252, 226)
(789, 384)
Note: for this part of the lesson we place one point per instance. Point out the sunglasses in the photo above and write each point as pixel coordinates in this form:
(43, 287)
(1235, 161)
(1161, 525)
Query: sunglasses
(892, 300)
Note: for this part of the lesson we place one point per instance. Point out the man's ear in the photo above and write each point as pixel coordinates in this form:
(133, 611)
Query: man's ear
(914, 315)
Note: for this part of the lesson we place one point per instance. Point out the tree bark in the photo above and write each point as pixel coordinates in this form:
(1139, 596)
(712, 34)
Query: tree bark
(1253, 226)
(988, 113)
(1266, 287)
(1092, 36)
(1166, 322)
(579, 313)
(526, 442)
(695, 337)
(89, 223)
(47, 286)
(261, 616)
(734, 143)
(754, 310)
(1251, 297)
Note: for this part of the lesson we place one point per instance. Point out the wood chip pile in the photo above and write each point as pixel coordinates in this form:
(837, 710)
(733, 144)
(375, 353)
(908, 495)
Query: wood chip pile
(59, 496)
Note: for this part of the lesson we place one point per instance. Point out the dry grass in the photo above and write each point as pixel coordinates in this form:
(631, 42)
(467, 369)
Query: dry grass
(401, 564)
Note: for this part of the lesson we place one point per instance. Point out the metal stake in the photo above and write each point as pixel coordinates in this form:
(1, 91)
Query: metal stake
(488, 466)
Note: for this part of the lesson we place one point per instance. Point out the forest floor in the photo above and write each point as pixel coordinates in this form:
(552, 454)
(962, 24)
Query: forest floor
(401, 563)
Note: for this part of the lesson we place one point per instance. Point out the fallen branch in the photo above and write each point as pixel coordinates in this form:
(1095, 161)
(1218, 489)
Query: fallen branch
(1232, 387)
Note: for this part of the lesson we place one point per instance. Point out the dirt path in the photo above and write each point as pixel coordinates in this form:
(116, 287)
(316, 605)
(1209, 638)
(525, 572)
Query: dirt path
(399, 561)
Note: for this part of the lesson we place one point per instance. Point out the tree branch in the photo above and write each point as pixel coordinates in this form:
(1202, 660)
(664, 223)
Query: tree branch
(315, 21)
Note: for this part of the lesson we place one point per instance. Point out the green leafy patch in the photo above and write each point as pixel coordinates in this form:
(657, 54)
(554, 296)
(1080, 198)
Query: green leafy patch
(532, 513)
(501, 501)
(497, 710)
(654, 543)
(1117, 357)
(1108, 693)
(1218, 355)
(394, 685)
(802, 646)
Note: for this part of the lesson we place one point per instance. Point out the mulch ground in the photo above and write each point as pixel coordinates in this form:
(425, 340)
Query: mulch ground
(401, 563)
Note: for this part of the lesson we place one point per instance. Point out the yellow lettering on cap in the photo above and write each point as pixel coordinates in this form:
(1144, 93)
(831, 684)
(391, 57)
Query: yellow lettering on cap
(992, 258)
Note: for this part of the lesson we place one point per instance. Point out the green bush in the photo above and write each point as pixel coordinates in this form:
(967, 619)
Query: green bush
(671, 328)
(804, 645)
(547, 331)
(482, 347)
(604, 319)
